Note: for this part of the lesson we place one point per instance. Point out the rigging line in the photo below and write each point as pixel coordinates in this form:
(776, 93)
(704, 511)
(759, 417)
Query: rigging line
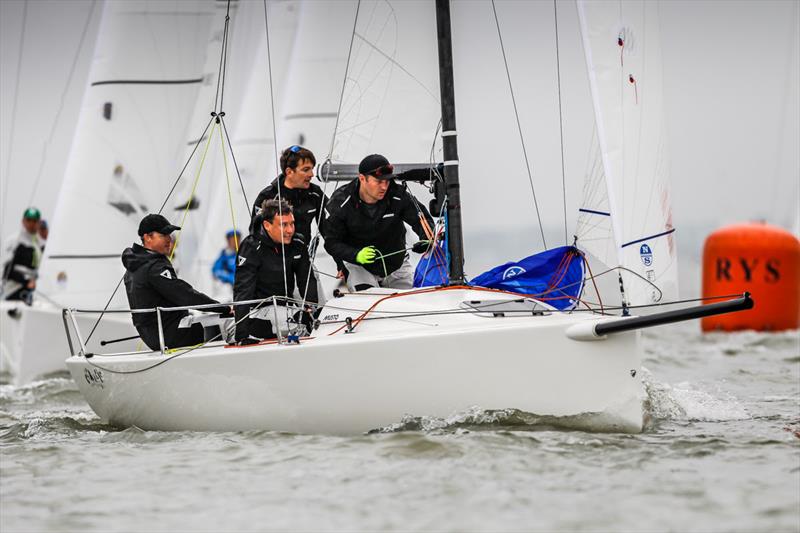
(225, 55)
(560, 123)
(398, 65)
(194, 189)
(180, 175)
(333, 138)
(97, 322)
(519, 125)
(271, 96)
(230, 196)
(344, 81)
(277, 165)
(14, 110)
(221, 56)
(61, 103)
(235, 165)
(160, 209)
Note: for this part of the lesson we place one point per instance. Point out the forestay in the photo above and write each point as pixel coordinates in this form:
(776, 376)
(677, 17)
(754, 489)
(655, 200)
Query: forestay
(626, 216)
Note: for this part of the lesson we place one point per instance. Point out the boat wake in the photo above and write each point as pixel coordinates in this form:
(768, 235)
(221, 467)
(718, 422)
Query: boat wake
(478, 419)
(662, 403)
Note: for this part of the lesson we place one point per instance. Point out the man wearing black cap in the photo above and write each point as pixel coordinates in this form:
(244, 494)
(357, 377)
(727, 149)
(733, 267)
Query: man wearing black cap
(150, 282)
(365, 227)
(25, 251)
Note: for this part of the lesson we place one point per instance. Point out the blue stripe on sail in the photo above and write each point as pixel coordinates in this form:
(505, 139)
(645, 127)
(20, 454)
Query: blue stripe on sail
(582, 210)
(650, 237)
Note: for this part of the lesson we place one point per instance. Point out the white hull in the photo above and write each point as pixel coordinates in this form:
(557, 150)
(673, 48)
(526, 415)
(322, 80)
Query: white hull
(33, 342)
(431, 365)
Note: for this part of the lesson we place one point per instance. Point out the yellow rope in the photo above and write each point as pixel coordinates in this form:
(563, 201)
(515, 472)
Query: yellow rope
(230, 196)
(194, 188)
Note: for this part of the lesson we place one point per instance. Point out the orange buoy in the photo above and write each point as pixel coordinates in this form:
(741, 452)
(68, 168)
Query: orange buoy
(761, 259)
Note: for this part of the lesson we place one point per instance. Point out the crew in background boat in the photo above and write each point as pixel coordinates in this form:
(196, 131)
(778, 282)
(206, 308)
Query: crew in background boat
(270, 260)
(308, 201)
(25, 253)
(44, 231)
(151, 281)
(225, 266)
(365, 227)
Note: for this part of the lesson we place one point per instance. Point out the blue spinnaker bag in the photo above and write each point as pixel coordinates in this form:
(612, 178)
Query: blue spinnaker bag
(554, 276)
(433, 268)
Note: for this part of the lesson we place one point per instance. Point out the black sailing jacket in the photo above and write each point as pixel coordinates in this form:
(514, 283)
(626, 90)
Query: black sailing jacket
(150, 281)
(260, 274)
(350, 227)
(307, 205)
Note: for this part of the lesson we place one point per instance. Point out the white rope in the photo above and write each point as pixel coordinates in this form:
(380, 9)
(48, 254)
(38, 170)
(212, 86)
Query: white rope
(277, 167)
(326, 165)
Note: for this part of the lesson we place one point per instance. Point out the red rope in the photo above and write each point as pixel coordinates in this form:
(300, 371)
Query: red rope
(567, 262)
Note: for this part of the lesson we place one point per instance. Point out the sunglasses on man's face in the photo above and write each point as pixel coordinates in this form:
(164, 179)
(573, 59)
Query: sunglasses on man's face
(385, 170)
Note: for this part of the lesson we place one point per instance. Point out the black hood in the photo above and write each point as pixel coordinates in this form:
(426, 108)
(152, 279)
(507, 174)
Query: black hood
(136, 256)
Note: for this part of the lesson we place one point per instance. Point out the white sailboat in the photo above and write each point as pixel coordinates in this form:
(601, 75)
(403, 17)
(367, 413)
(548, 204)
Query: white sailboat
(380, 354)
(138, 102)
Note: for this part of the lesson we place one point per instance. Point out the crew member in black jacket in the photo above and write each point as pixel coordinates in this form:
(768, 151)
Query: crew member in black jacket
(365, 227)
(307, 199)
(150, 282)
(270, 260)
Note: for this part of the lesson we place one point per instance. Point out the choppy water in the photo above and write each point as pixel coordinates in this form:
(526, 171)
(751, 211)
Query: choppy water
(721, 453)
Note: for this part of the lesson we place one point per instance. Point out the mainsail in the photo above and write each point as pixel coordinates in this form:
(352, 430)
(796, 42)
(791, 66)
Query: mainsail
(626, 216)
(129, 142)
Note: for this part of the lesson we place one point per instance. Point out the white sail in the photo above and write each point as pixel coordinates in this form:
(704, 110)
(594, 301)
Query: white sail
(129, 142)
(623, 56)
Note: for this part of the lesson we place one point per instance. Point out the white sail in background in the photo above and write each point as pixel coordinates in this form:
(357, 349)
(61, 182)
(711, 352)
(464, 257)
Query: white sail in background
(390, 101)
(307, 111)
(391, 98)
(129, 144)
(623, 56)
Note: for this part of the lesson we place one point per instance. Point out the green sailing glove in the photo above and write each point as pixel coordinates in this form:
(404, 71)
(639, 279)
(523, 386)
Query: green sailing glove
(366, 255)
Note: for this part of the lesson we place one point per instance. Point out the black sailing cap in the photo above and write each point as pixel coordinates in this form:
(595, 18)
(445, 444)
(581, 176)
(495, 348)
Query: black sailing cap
(157, 223)
(375, 165)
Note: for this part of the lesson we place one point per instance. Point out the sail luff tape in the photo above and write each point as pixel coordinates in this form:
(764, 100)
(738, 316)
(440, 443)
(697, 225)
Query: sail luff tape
(452, 162)
(449, 133)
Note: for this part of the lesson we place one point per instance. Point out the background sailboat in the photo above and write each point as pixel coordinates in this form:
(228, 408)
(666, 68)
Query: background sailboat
(125, 156)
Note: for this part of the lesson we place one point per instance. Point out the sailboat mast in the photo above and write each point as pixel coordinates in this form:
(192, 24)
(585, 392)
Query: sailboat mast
(455, 239)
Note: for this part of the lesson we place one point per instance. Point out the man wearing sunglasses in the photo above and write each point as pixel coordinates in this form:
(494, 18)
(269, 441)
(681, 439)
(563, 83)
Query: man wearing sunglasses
(366, 230)
(294, 185)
